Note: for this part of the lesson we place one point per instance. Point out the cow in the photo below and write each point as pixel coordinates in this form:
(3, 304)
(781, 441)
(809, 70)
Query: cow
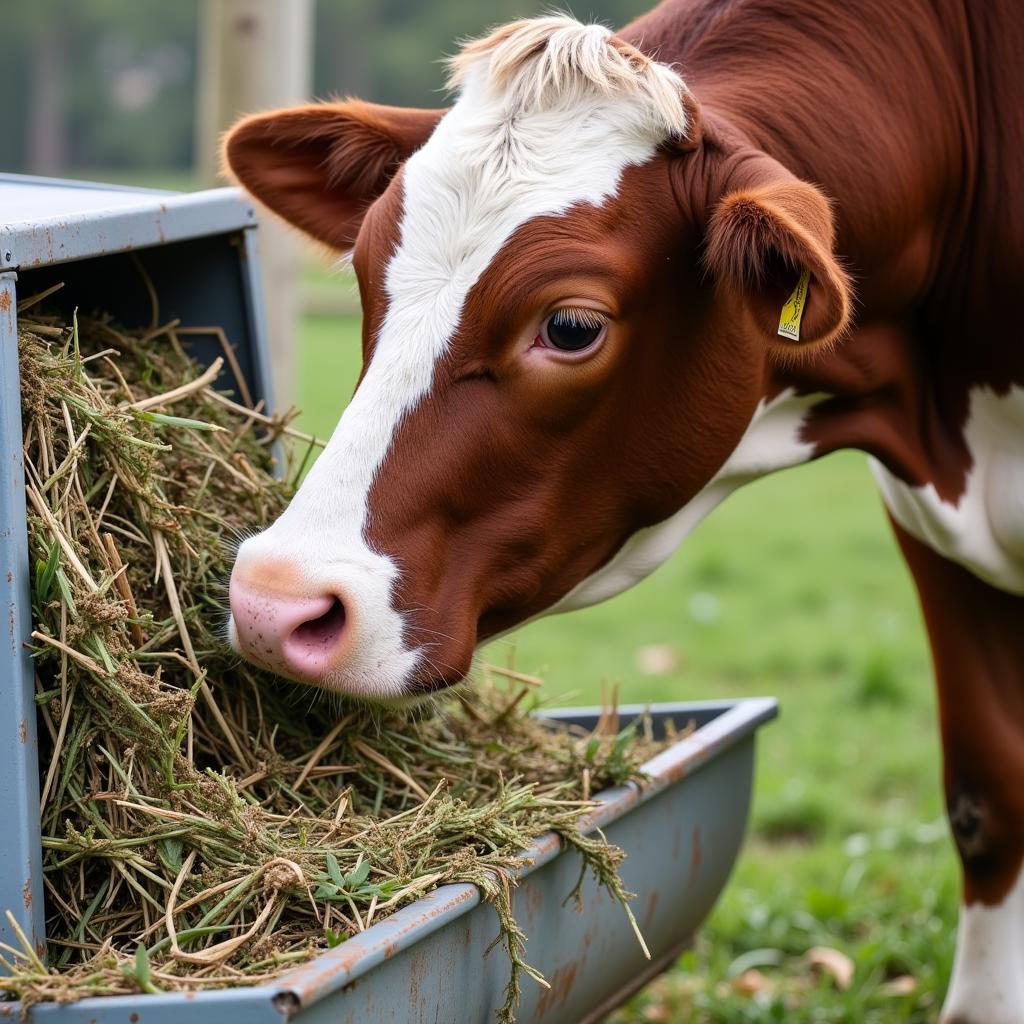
(624, 274)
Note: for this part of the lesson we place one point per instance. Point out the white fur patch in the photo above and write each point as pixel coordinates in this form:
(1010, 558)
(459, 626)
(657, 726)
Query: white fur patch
(771, 442)
(984, 530)
(540, 62)
(488, 168)
(987, 986)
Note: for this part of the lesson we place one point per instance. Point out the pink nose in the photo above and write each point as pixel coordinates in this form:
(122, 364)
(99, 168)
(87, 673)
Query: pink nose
(298, 637)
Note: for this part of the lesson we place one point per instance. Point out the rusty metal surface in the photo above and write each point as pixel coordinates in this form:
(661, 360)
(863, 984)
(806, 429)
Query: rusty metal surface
(21, 880)
(43, 222)
(424, 965)
(658, 965)
(681, 845)
(238, 1006)
(722, 726)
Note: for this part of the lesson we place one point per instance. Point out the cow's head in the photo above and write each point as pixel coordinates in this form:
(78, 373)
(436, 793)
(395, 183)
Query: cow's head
(571, 302)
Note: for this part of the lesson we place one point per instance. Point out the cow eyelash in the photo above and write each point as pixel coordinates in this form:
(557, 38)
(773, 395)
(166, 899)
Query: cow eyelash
(580, 316)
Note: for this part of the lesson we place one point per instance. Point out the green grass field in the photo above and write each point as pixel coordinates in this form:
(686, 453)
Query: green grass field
(794, 588)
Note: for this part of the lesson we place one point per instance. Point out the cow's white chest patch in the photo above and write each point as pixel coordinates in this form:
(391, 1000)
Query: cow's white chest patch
(984, 530)
(772, 441)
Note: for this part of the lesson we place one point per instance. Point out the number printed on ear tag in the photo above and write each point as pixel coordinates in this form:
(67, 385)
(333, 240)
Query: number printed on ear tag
(793, 310)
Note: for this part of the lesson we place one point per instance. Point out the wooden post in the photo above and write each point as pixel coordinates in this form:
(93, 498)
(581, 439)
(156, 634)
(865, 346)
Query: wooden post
(46, 149)
(255, 55)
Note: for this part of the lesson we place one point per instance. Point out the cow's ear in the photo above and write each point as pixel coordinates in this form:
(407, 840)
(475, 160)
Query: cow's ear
(320, 166)
(770, 249)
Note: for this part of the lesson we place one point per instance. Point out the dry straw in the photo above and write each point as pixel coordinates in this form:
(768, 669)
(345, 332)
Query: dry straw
(204, 825)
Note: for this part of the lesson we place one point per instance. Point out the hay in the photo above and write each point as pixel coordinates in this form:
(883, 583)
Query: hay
(204, 825)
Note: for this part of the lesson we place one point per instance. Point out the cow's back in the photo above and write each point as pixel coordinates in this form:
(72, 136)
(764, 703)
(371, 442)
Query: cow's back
(993, 260)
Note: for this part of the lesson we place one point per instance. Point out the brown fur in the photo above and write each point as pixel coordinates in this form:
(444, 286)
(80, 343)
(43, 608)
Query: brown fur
(975, 636)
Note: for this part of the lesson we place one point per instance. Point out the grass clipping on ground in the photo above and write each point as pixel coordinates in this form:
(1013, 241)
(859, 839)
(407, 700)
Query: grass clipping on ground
(203, 825)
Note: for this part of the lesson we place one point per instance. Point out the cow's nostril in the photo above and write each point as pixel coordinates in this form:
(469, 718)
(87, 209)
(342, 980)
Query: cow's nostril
(324, 630)
(301, 637)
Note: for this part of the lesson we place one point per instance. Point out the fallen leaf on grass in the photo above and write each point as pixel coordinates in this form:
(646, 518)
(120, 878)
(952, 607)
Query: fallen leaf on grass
(657, 1013)
(657, 659)
(903, 985)
(750, 983)
(838, 966)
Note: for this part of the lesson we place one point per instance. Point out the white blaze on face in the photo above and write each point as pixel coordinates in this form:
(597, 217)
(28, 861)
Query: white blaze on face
(485, 172)
(984, 530)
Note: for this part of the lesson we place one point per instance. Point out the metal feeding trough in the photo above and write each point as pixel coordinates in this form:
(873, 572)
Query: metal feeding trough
(198, 254)
(681, 830)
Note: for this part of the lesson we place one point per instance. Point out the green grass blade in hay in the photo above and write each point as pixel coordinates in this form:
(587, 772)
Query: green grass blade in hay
(205, 825)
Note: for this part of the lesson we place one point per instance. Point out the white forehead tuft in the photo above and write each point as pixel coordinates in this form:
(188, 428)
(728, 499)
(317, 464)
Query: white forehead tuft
(539, 63)
(506, 154)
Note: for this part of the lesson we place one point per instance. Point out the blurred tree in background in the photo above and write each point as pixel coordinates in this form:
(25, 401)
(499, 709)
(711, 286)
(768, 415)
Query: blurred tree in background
(108, 87)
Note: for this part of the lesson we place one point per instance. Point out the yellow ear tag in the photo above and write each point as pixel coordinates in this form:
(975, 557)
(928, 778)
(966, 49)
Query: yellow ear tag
(793, 310)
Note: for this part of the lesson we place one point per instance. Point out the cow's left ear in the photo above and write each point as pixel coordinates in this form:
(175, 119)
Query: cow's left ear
(321, 165)
(770, 248)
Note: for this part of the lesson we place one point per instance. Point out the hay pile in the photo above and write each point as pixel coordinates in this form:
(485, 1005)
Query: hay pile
(204, 825)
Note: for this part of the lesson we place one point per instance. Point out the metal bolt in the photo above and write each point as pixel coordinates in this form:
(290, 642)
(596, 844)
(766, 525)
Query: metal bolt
(8, 256)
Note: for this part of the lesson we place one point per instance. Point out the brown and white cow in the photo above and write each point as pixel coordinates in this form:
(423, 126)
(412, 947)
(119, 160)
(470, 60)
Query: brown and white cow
(573, 280)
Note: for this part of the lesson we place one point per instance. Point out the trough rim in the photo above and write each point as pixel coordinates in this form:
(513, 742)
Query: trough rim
(304, 986)
(152, 217)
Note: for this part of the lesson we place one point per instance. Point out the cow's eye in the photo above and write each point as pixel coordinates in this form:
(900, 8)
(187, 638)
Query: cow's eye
(572, 330)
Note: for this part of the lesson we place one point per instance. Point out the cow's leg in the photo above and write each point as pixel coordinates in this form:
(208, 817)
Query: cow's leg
(977, 637)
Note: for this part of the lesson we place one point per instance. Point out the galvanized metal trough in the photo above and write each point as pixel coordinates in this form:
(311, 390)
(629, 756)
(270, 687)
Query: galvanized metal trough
(682, 829)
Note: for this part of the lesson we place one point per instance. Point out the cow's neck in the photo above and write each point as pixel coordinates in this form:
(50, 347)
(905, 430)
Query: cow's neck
(873, 102)
(874, 401)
